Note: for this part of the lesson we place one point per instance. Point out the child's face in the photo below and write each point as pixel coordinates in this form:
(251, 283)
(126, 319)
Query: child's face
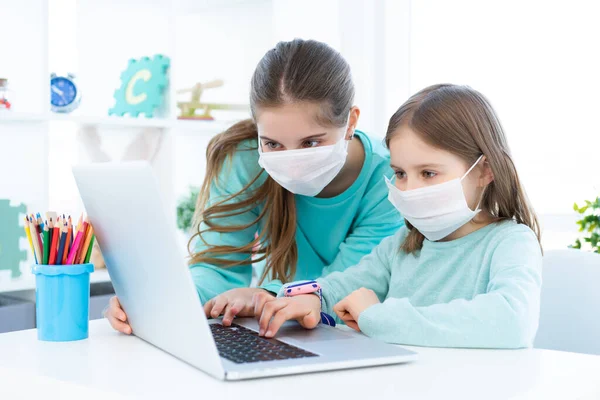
(417, 164)
(293, 126)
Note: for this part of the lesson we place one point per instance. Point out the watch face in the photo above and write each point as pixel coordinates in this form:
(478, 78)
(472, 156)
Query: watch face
(63, 91)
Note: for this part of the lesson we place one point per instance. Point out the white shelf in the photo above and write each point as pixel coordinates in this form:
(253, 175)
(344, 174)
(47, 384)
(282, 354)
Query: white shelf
(14, 117)
(124, 122)
(187, 8)
(27, 281)
(185, 126)
(10, 117)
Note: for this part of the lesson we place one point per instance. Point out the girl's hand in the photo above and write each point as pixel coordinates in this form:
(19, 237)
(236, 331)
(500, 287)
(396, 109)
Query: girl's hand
(306, 309)
(355, 303)
(234, 302)
(116, 316)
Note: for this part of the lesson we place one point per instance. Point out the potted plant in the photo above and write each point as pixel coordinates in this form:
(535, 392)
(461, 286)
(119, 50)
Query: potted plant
(589, 224)
(185, 209)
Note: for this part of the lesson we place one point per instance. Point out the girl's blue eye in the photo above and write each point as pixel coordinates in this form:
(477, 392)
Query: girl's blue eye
(310, 143)
(429, 174)
(400, 174)
(272, 145)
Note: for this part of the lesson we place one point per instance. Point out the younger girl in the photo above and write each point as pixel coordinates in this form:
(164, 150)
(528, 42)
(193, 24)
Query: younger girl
(466, 269)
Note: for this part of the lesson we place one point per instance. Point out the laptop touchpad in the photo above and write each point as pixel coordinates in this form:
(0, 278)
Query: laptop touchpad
(296, 332)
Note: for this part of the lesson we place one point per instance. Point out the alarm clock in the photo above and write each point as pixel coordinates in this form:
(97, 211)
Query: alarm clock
(64, 93)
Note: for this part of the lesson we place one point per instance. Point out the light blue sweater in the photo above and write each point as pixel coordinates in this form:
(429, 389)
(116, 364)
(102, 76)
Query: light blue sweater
(332, 234)
(482, 290)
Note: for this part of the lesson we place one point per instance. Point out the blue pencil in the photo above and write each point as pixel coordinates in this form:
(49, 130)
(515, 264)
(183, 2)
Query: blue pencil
(61, 246)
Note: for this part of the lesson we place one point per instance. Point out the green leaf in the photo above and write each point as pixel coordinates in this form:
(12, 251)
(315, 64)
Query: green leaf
(589, 224)
(594, 239)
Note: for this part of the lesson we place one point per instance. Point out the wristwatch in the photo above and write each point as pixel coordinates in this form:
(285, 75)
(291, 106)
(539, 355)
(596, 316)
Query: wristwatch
(308, 287)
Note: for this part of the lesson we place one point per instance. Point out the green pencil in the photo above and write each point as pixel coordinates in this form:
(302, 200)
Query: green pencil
(89, 252)
(47, 244)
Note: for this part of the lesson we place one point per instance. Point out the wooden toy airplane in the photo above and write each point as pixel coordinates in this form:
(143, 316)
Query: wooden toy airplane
(188, 108)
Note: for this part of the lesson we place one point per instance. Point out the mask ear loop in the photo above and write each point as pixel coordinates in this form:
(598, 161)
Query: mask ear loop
(472, 166)
(348, 125)
(467, 173)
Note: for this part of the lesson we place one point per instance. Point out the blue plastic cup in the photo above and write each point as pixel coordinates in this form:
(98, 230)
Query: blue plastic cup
(62, 301)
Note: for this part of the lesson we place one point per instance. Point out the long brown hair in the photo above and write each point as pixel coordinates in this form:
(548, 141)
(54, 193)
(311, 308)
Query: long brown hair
(461, 120)
(292, 72)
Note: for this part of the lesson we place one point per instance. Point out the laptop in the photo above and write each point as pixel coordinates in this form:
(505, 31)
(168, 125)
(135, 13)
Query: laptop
(149, 271)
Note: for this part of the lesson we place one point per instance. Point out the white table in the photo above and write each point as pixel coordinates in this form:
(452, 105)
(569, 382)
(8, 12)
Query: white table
(130, 367)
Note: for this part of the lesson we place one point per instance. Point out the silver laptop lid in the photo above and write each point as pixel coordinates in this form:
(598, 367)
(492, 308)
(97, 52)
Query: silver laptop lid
(154, 287)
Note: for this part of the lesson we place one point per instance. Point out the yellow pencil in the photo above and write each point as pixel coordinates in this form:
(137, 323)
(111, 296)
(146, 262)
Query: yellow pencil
(36, 244)
(28, 233)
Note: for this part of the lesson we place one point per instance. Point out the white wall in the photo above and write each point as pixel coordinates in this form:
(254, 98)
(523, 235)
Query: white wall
(536, 61)
(23, 157)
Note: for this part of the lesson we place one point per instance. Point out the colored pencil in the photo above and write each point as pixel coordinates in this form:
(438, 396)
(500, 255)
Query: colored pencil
(84, 249)
(63, 242)
(28, 234)
(69, 242)
(75, 247)
(37, 245)
(71, 229)
(79, 222)
(50, 223)
(89, 252)
(37, 237)
(46, 244)
(58, 226)
(84, 230)
(54, 243)
(51, 216)
(40, 229)
(39, 225)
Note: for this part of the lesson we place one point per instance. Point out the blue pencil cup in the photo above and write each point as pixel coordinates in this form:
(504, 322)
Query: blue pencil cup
(62, 301)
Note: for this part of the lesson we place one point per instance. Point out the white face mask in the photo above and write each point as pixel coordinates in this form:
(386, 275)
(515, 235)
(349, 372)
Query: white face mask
(435, 211)
(305, 171)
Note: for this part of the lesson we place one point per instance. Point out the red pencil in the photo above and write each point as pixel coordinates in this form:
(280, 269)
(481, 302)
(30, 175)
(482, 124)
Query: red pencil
(53, 246)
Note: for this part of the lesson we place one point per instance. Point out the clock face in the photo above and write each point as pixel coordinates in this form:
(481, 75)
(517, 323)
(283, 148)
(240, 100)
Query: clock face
(63, 91)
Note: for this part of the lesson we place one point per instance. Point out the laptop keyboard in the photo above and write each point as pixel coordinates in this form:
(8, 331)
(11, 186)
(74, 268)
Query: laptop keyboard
(242, 345)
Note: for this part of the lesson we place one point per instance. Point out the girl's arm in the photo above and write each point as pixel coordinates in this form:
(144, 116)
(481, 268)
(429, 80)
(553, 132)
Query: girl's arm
(372, 272)
(504, 317)
(377, 219)
(212, 280)
(381, 221)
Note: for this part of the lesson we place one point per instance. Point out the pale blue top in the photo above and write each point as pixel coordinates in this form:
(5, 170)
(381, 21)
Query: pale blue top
(332, 233)
(482, 290)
